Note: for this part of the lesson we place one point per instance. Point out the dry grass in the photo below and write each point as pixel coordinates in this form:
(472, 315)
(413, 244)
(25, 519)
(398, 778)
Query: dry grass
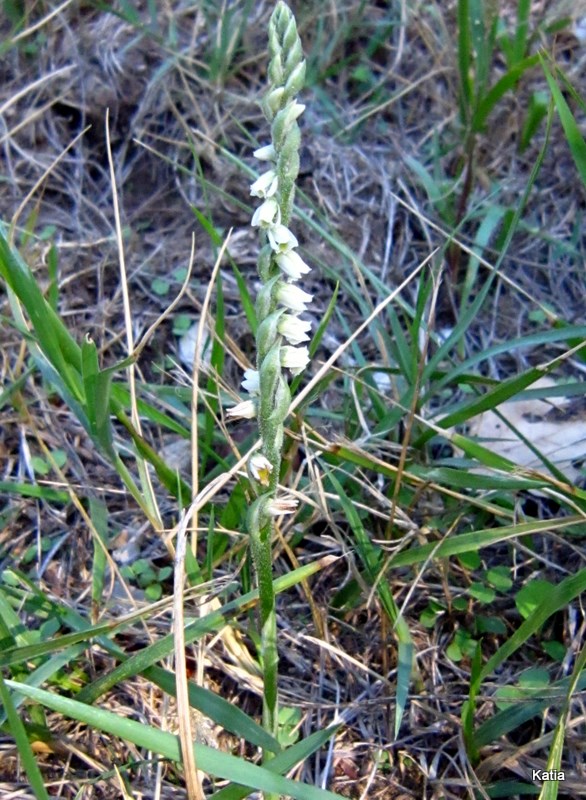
(171, 126)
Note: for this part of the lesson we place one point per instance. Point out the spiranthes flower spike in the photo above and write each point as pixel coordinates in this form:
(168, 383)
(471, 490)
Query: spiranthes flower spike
(280, 333)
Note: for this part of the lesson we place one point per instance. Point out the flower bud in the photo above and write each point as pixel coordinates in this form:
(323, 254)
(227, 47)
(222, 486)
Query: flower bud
(281, 403)
(267, 297)
(274, 100)
(276, 70)
(266, 153)
(267, 333)
(284, 121)
(296, 80)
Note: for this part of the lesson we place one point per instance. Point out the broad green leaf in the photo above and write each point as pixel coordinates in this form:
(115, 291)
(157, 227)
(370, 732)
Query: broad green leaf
(170, 478)
(245, 298)
(570, 334)
(20, 655)
(481, 592)
(466, 318)
(484, 234)
(211, 705)
(500, 578)
(536, 112)
(62, 355)
(528, 598)
(499, 394)
(215, 236)
(322, 327)
(99, 516)
(459, 478)
(32, 490)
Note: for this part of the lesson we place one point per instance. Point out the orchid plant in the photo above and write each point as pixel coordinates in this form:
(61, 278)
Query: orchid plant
(281, 331)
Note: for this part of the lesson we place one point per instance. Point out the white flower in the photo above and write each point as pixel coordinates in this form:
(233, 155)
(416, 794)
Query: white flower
(266, 153)
(287, 504)
(292, 264)
(281, 239)
(260, 468)
(294, 329)
(266, 185)
(267, 214)
(244, 410)
(294, 358)
(293, 298)
(251, 382)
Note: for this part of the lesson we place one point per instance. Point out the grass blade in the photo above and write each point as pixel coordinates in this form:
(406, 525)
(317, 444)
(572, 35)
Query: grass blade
(560, 596)
(505, 721)
(465, 59)
(469, 542)
(370, 556)
(501, 87)
(18, 731)
(283, 761)
(554, 762)
(571, 129)
(211, 761)
(502, 392)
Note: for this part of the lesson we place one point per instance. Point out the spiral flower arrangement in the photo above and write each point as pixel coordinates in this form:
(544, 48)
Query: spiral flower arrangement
(281, 332)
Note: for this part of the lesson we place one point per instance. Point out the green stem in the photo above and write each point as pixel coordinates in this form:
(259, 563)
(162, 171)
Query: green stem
(262, 555)
(272, 438)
